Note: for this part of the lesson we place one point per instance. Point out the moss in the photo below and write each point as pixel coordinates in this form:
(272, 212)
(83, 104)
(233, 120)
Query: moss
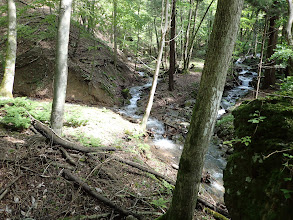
(249, 172)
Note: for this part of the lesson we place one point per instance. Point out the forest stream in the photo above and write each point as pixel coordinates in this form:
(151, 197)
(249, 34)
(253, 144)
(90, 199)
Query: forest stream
(215, 160)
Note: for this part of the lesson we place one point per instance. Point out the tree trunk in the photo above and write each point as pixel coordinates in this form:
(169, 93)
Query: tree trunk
(194, 33)
(172, 47)
(156, 75)
(205, 112)
(137, 43)
(269, 74)
(9, 72)
(61, 68)
(156, 33)
(115, 31)
(261, 57)
(186, 41)
(289, 35)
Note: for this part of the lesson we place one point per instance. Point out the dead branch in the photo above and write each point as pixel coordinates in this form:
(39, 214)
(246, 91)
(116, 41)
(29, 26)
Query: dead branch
(57, 140)
(5, 190)
(68, 157)
(3, 194)
(86, 217)
(60, 165)
(87, 188)
(146, 169)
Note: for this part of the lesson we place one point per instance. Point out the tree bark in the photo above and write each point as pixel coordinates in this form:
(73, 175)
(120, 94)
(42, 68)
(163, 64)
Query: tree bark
(186, 41)
(61, 68)
(159, 59)
(212, 83)
(9, 72)
(194, 33)
(172, 47)
(289, 35)
(269, 74)
(261, 58)
(138, 32)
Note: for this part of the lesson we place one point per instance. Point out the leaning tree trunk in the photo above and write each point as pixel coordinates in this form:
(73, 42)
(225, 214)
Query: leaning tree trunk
(9, 72)
(61, 68)
(212, 83)
(269, 74)
(289, 35)
(194, 33)
(156, 75)
(172, 47)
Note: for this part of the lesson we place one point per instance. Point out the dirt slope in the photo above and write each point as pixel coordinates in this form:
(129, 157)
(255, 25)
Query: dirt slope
(92, 77)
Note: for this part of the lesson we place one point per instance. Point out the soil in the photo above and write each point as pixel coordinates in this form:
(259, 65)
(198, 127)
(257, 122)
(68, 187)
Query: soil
(40, 190)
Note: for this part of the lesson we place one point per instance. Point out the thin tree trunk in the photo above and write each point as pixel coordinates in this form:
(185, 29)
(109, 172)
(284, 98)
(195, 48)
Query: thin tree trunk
(172, 47)
(205, 112)
(289, 24)
(186, 42)
(289, 35)
(191, 38)
(115, 31)
(157, 37)
(261, 58)
(9, 71)
(159, 59)
(194, 33)
(137, 43)
(61, 68)
(269, 74)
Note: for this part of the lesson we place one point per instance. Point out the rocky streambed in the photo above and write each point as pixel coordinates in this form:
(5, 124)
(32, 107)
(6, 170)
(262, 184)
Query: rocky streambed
(170, 122)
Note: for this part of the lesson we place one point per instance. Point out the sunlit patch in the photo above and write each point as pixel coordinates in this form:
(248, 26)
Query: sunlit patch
(164, 143)
(14, 140)
(218, 186)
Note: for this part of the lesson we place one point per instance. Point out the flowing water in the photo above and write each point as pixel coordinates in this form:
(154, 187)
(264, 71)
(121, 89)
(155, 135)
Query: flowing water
(214, 163)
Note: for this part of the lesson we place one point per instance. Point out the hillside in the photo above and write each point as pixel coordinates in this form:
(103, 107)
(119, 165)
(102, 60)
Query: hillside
(92, 77)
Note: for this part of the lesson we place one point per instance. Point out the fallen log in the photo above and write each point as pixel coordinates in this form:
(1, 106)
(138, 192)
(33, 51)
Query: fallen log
(57, 140)
(87, 188)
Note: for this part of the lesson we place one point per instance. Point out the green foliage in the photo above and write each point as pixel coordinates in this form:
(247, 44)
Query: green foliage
(286, 86)
(225, 119)
(282, 54)
(74, 119)
(15, 117)
(88, 140)
(15, 112)
(168, 187)
(257, 118)
(160, 203)
(287, 193)
(244, 140)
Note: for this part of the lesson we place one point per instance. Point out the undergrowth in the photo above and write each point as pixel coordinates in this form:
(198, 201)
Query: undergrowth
(14, 113)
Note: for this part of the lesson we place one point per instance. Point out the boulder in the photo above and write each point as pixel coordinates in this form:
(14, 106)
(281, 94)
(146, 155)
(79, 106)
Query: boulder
(257, 184)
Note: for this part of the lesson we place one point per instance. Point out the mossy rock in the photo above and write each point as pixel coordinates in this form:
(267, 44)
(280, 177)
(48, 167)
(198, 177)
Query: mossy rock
(125, 93)
(254, 182)
(225, 128)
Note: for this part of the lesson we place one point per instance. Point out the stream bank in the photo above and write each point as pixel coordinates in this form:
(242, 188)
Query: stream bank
(170, 121)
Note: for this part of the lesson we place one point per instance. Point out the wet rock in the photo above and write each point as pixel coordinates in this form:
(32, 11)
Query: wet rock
(255, 183)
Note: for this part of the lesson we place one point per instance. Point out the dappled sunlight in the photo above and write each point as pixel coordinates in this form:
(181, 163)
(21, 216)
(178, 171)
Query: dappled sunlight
(101, 123)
